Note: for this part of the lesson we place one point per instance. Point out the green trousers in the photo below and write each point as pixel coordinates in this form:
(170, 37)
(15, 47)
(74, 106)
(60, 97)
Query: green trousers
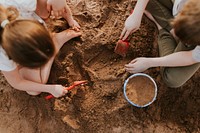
(172, 76)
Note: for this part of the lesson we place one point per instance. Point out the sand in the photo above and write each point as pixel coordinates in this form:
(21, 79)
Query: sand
(100, 106)
(140, 90)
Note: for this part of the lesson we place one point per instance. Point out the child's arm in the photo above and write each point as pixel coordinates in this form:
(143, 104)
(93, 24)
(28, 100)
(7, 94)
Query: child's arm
(16, 81)
(183, 58)
(133, 22)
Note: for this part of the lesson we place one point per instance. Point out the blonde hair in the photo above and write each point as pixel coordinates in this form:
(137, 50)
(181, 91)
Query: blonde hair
(26, 42)
(187, 23)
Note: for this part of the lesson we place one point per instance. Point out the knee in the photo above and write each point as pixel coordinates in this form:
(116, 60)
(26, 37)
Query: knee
(171, 80)
(172, 83)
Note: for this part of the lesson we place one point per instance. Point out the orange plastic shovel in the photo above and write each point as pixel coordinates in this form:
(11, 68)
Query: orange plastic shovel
(76, 83)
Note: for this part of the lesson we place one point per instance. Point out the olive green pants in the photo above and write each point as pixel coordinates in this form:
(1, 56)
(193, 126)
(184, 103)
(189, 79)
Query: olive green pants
(172, 76)
(161, 10)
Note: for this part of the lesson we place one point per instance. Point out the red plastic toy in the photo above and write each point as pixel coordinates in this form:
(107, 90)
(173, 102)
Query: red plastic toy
(121, 47)
(76, 83)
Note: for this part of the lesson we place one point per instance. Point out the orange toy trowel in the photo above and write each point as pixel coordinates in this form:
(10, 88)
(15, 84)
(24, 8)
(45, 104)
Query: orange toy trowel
(76, 83)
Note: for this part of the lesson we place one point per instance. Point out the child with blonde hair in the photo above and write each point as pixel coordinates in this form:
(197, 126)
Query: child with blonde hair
(27, 52)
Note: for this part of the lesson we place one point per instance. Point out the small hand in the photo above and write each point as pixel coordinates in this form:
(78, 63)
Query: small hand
(59, 91)
(131, 25)
(75, 26)
(138, 65)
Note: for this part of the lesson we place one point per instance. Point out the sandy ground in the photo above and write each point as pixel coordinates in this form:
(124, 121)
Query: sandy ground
(99, 106)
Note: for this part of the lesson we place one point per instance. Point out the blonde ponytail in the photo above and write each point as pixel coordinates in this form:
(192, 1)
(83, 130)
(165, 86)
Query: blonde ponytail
(7, 15)
(12, 13)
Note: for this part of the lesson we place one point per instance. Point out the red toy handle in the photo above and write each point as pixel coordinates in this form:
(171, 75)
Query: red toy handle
(69, 88)
(131, 11)
(51, 96)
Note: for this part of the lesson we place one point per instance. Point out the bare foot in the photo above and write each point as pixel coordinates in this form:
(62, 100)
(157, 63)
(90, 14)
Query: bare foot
(64, 36)
(148, 14)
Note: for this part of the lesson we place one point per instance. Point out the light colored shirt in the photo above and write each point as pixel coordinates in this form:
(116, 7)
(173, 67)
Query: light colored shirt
(26, 8)
(178, 5)
(5, 63)
(196, 53)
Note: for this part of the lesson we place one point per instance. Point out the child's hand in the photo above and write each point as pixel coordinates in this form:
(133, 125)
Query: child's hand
(138, 65)
(74, 24)
(59, 91)
(131, 25)
(56, 7)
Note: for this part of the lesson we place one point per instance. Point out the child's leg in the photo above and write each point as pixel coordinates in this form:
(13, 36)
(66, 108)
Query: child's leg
(174, 76)
(41, 9)
(166, 43)
(64, 36)
(161, 11)
(167, 4)
(177, 76)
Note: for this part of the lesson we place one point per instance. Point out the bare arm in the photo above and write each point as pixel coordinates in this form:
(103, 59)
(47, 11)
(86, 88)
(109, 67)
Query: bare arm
(133, 22)
(140, 8)
(16, 81)
(183, 58)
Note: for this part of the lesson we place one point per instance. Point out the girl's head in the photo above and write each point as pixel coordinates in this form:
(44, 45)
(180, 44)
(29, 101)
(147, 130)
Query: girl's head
(187, 23)
(26, 42)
